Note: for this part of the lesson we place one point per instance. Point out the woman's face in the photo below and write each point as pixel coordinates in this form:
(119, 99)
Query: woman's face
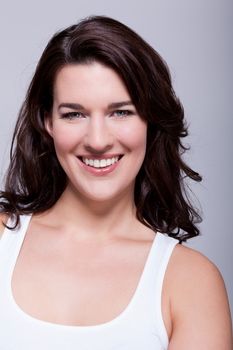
(99, 138)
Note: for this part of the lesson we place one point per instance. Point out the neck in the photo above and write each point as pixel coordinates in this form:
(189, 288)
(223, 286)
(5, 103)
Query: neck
(95, 219)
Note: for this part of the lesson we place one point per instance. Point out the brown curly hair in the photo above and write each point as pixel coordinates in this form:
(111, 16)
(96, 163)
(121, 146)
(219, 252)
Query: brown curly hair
(35, 179)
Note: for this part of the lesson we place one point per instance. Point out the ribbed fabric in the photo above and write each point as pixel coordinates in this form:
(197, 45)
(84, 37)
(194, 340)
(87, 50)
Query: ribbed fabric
(139, 327)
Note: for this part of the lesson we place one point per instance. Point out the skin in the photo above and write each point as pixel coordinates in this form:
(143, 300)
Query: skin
(96, 130)
(90, 243)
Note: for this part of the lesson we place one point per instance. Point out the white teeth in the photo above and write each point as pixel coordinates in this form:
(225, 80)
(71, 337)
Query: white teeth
(96, 163)
(103, 163)
(100, 163)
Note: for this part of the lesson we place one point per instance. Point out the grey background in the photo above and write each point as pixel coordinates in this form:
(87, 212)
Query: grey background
(195, 38)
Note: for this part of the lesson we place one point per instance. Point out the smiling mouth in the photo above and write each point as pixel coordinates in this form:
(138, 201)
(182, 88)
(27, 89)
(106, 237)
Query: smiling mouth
(100, 162)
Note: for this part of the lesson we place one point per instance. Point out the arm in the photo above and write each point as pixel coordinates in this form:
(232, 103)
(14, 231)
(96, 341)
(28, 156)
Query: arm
(199, 305)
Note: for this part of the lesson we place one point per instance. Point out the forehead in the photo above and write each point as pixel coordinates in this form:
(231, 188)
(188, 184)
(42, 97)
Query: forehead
(86, 81)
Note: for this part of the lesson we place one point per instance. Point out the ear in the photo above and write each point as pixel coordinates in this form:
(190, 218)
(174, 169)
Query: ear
(48, 123)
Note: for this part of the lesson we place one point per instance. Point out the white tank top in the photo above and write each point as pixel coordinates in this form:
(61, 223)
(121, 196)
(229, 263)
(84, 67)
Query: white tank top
(140, 326)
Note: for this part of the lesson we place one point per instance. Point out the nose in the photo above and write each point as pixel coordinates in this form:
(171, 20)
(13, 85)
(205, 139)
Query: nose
(99, 137)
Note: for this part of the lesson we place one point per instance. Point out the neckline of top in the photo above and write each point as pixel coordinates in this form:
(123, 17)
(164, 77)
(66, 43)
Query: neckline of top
(59, 326)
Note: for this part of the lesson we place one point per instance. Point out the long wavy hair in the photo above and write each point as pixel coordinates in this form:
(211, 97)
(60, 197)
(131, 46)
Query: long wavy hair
(35, 179)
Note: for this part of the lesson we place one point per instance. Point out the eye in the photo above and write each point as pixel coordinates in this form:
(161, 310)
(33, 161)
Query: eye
(121, 113)
(72, 115)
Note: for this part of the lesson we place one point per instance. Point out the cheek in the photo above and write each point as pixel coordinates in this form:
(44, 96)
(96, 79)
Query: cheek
(65, 139)
(134, 136)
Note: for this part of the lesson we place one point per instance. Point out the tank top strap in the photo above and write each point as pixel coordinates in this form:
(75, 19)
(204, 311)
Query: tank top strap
(149, 291)
(159, 258)
(11, 242)
(157, 261)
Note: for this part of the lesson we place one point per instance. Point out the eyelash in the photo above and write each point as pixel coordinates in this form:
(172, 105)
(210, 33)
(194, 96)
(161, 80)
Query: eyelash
(72, 115)
(125, 112)
(78, 115)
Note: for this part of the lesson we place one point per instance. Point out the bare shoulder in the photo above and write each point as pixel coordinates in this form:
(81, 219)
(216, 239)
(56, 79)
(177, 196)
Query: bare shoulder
(199, 304)
(3, 220)
(196, 276)
(192, 264)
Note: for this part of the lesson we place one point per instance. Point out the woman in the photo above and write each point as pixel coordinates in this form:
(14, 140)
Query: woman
(95, 182)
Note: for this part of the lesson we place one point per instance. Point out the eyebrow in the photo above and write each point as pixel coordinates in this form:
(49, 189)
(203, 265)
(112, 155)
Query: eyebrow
(113, 105)
(119, 104)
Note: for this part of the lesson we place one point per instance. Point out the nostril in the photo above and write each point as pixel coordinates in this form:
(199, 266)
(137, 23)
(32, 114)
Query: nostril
(98, 140)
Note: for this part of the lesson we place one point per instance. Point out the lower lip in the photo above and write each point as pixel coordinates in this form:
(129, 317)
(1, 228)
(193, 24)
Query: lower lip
(99, 171)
